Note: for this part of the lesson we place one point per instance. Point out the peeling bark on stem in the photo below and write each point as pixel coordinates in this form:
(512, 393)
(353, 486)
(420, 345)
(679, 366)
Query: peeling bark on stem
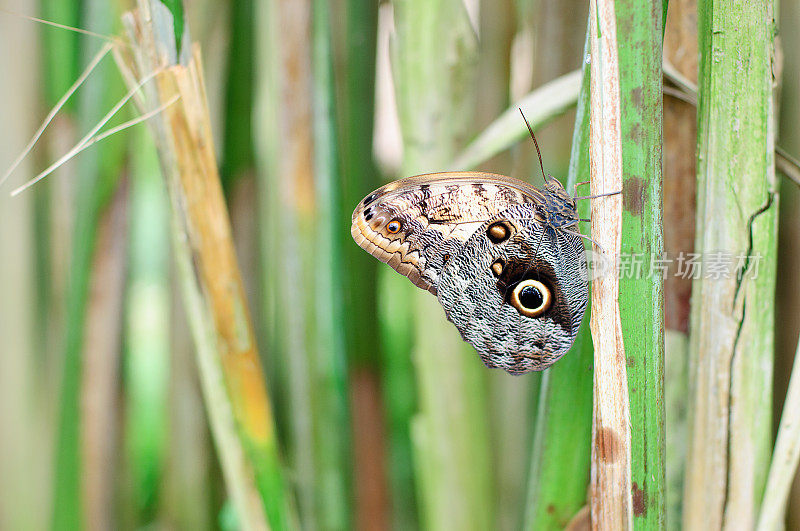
(611, 452)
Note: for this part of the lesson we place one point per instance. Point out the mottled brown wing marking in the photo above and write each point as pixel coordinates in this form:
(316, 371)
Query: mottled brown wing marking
(475, 284)
(438, 213)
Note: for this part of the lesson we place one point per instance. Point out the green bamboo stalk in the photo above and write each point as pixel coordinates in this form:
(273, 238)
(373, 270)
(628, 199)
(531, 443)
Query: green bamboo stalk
(237, 142)
(559, 473)
(266, 140)
(60, 54)
(434, 64)
(640, 36)
(96, 176)
(60, 49)
(359, 175)
(396, 320)
(284, 148)
(100, 382)
(731, 342)
(147, 361)
(303, 218)
(329, 378)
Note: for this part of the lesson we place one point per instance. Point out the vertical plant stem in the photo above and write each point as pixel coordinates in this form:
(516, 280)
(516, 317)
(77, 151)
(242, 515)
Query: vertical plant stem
(100, 382)
(285, 149)
(303, 246)
(396, 319)
(639, 33)
(731, 344)
(60, 48)
(785, 457)
(237, 157)
(434, 66)
(611, 451)
(359, 174)
(60, 53)
(147, 370)
(678, 192)
(26, 436)
(329, 385)
(96, 176)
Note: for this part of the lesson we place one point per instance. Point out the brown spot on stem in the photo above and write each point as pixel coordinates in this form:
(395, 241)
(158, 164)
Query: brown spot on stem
(639, 498)
(608, 446)
(636, 97)
(635, 132)
(633, 195)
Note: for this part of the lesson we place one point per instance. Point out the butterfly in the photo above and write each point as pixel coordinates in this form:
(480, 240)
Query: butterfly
(504, 258)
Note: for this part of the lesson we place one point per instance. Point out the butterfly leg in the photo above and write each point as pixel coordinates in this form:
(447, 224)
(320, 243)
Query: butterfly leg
(575, 192)
(586, 237)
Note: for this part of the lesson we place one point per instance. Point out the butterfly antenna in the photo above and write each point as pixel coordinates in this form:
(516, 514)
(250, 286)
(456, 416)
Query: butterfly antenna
(535, 143)
(596, 195)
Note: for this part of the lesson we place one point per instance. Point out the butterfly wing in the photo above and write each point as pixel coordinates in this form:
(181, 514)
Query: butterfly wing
(417, 224)
(477, 290)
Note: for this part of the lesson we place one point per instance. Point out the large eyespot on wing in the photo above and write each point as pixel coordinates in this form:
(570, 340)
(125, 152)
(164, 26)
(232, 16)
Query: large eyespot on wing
(519, 312)
(417, 224)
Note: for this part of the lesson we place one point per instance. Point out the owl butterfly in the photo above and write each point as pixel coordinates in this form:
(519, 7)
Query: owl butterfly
(500, 255)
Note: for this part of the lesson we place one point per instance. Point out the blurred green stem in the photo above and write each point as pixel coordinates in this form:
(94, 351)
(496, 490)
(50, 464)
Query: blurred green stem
(147, 360)
(434, 60)
(237, 144)
(98, 172)
(329, 385)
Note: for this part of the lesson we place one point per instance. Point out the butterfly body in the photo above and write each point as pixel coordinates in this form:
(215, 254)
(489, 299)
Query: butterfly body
(495, 252)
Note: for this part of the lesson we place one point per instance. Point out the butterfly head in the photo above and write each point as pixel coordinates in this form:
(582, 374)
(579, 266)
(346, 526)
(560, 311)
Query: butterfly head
(558, 209)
